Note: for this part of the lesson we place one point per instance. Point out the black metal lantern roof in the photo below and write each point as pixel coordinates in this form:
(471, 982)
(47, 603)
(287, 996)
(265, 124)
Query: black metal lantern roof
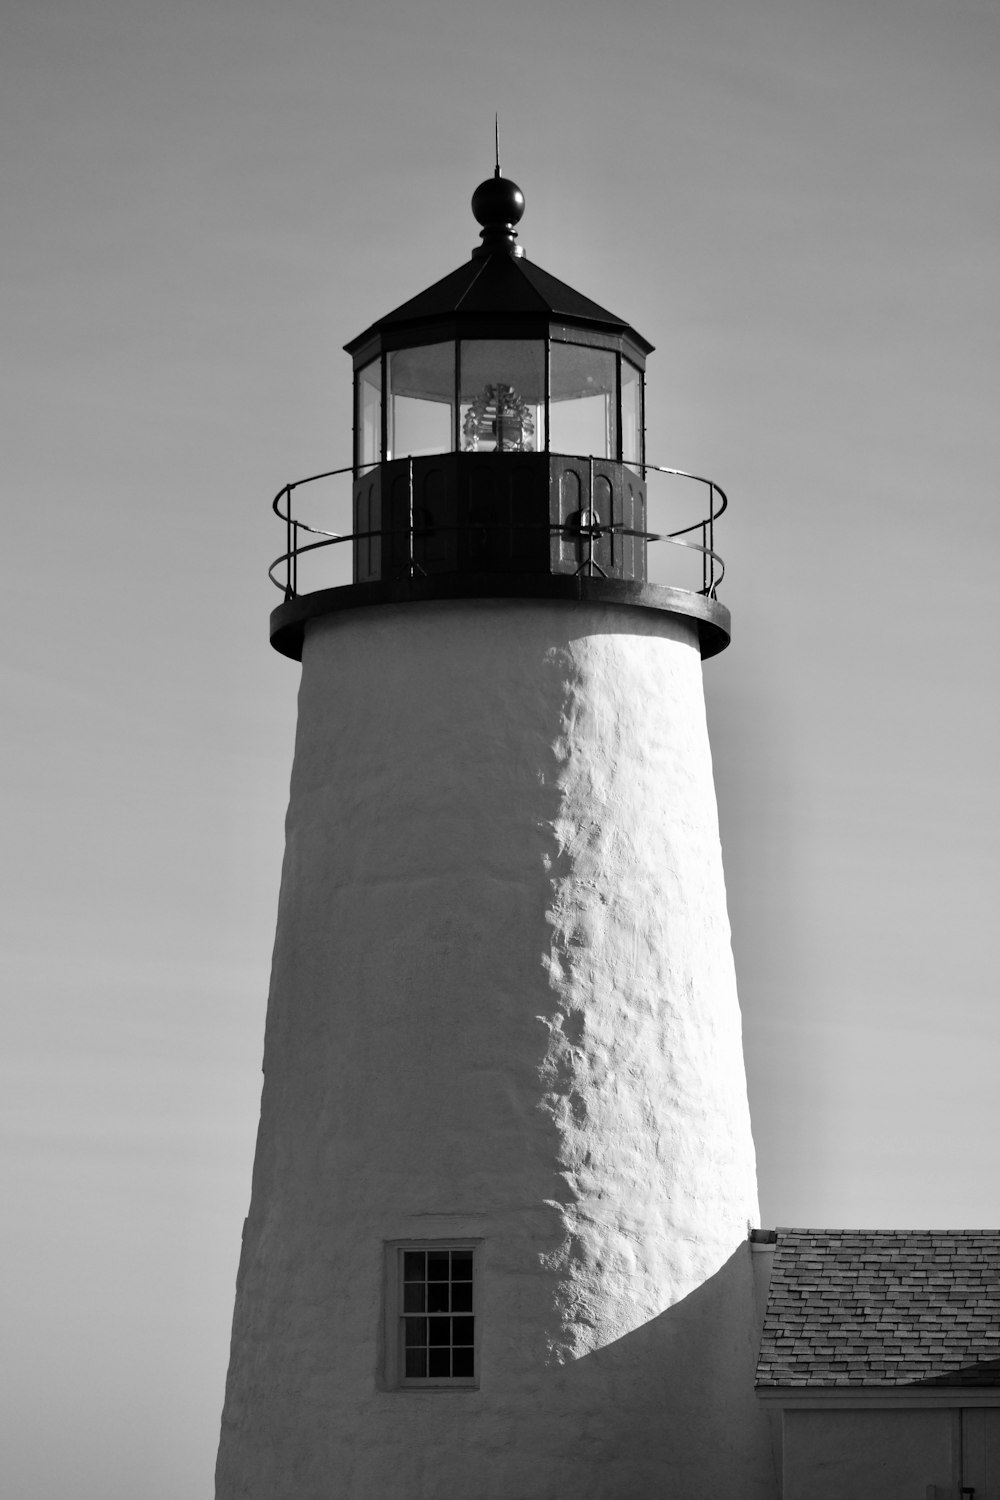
(498, 283)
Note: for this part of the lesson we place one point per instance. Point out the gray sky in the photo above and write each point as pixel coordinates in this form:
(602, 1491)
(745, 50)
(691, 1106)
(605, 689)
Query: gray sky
(798, 203)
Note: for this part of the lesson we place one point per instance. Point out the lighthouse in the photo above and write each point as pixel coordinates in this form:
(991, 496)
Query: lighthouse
(497, 1246)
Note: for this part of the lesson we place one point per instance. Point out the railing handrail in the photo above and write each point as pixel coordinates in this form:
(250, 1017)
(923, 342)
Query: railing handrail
(710, 558)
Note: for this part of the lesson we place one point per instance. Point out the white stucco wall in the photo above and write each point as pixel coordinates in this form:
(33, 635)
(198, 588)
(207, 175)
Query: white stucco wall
(502, 1007)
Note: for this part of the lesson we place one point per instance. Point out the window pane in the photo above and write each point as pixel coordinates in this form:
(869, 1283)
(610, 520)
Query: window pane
(463, 1363)
(461, 1265)
(462, 1330)
(369, 413)
(631, 413)
(503, 396)
(421, 400)
(416, 1331)
(437, 1297)
(416, 1364)
(413, 1265)
(583, 402)
(413, 1297)
(439, 1330)
(437, 1265)
(439, 1363)
(461, 1297)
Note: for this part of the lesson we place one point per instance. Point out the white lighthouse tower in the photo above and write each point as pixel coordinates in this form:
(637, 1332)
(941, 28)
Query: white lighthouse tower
(496, 1248)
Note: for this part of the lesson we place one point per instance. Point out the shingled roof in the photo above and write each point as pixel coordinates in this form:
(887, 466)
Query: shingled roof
(882, 1308)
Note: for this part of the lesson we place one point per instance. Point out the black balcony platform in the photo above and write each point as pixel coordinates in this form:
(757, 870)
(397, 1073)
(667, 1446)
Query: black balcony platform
(289, 620)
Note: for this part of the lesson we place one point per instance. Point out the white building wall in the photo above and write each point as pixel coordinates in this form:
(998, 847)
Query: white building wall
(895, 1443)
(503, 1007)
(871, 1455)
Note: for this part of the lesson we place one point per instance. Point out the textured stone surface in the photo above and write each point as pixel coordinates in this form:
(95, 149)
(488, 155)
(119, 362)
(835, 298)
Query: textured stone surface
(503, 1007)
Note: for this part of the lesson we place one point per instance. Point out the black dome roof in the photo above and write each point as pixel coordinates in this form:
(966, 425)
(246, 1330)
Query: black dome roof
(503, 285)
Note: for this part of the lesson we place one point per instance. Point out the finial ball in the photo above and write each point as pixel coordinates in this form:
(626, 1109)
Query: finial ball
(497, 202)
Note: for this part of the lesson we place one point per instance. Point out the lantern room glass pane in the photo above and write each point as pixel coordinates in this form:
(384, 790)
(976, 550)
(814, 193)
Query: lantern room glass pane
(503, 396)
(368, 417)
(631, 413)
(421, 400)
(583, 401)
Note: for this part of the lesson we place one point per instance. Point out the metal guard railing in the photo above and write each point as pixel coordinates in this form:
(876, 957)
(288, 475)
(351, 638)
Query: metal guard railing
(712, 565)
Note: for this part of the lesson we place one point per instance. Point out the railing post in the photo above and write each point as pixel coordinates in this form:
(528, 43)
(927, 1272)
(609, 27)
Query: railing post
(410, 483)
(711, 538)
(295, 547)
(644, 539)
(289, 543)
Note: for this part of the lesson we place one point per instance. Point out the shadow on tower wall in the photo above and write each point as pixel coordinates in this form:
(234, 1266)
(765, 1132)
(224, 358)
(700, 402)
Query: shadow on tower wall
(667, 1412)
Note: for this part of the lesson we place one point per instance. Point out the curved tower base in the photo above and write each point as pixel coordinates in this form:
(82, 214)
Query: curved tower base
(503, 1018)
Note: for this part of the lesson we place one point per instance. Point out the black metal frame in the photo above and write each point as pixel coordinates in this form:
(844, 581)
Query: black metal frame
(459, 332)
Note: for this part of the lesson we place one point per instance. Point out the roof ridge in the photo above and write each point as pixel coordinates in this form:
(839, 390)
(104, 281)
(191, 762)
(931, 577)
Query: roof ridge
(479, 266)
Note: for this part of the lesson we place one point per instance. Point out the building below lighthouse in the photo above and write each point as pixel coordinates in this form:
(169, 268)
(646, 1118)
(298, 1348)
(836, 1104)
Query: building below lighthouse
(499, 1243)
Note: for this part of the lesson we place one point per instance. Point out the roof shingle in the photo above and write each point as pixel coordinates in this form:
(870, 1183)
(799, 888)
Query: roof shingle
(883, 1308)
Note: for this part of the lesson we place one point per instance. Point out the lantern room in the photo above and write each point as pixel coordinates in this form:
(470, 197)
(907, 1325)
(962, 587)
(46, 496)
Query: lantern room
(499, 450)
(564, 391)
(507, 411)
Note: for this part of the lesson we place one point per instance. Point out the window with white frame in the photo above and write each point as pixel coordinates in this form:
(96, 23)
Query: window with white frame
(432, 1314)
